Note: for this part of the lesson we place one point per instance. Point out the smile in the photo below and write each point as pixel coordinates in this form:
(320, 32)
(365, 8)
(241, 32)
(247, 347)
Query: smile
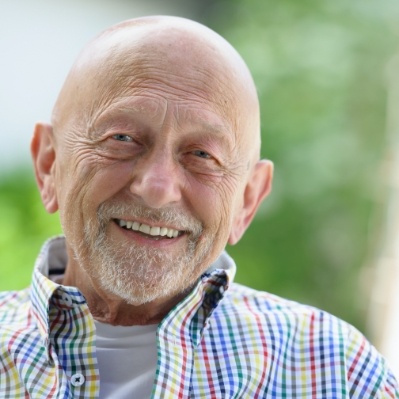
(155, 231)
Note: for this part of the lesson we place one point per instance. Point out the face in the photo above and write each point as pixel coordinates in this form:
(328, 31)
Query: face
(149, 176)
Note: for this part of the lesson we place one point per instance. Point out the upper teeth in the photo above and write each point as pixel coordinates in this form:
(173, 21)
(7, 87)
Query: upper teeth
(151, 230)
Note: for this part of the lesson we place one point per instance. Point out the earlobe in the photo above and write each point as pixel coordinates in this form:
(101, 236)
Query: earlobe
(258, 187)
(43, 155)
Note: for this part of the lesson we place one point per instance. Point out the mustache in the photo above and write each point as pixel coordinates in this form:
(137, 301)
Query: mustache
(177, 218)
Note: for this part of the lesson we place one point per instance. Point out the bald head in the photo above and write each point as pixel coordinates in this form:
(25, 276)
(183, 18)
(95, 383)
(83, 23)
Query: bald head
(169, 51)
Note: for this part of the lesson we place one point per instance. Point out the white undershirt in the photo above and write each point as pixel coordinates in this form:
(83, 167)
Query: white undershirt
(127, 360)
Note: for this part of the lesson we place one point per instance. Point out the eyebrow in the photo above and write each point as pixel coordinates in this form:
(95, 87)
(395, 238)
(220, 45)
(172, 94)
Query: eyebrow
(218, 129)
(135, 108)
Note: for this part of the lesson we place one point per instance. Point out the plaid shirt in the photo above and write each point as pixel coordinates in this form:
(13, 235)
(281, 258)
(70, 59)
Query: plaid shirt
(248, 345)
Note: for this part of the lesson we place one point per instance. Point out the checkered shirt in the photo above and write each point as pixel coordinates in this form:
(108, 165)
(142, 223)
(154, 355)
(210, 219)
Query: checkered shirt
(222, 341)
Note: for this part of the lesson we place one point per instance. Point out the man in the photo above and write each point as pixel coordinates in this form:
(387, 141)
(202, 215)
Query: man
(152, 160)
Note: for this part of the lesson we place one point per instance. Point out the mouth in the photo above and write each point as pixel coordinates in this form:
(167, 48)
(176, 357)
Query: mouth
(156, 232)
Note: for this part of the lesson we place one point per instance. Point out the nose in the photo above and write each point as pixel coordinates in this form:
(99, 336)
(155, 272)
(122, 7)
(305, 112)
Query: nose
(156, 181)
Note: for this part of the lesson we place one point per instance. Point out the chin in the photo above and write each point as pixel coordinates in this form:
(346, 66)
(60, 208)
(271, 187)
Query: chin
(136, 295)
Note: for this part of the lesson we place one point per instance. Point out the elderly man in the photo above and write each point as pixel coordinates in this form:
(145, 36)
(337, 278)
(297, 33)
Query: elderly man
(152, 160)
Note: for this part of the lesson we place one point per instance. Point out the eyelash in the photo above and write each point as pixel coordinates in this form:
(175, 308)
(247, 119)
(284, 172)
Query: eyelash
(202, 154)
(117, 137)
(128, 139)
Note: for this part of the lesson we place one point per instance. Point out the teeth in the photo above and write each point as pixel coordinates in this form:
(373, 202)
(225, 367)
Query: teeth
(155, 231)
(150, 230)
(144, 228)
(163, 231)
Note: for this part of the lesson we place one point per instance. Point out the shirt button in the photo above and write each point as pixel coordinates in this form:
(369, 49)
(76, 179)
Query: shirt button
(77, 380)
(67, 300)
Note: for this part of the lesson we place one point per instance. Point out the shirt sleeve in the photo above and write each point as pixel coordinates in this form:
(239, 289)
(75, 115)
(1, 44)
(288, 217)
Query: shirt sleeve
(390, 388)
(368, 374)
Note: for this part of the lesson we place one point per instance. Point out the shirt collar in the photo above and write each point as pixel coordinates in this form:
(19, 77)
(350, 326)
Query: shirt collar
(46, 293)
(191, 316)
(192, 313)
(43, 288)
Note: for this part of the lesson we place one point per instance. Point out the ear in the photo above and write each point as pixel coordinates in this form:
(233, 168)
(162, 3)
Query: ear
(43, 155)
(258, 187)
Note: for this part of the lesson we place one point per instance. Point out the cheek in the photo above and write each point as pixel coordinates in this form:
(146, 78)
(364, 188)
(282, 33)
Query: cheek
(215, 205)
(83, 189)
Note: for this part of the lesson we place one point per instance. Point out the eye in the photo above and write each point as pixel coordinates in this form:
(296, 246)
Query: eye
(202, 154)
(122, 137)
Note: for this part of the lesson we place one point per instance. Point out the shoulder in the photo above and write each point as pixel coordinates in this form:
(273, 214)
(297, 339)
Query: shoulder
(14, 306)
(16, 322)
(286, 318)
(303, 336)
(296, 348)
(260, 303)
(265, 303)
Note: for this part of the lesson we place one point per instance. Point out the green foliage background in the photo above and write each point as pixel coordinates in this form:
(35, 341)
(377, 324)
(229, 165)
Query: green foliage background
(24, 226)
(319, 68)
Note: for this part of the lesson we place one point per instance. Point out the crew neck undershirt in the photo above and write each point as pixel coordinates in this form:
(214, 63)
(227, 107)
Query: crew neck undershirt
(127, 360)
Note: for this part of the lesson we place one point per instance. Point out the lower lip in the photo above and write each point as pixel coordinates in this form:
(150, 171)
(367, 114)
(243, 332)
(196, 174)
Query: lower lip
(147, 239)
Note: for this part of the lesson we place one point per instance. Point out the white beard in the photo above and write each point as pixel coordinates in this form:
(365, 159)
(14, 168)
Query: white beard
(138, 274)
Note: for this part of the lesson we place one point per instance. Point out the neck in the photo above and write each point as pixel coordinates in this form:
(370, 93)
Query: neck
(109, 308)
(115, 311)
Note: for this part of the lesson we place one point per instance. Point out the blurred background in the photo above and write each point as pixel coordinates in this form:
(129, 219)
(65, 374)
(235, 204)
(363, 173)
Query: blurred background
(326, 74)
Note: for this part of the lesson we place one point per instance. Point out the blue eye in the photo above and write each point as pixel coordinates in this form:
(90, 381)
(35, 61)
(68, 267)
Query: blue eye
(202, 154)
(122, 137)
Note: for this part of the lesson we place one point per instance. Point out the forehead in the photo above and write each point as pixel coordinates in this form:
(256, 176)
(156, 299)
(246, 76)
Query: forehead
(149, 78)
(195, 58)
(160, 110)
(197, 73)
(155, 117)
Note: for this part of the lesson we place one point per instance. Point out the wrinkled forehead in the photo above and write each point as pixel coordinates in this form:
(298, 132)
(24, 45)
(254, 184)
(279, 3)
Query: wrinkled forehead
(184, 63)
